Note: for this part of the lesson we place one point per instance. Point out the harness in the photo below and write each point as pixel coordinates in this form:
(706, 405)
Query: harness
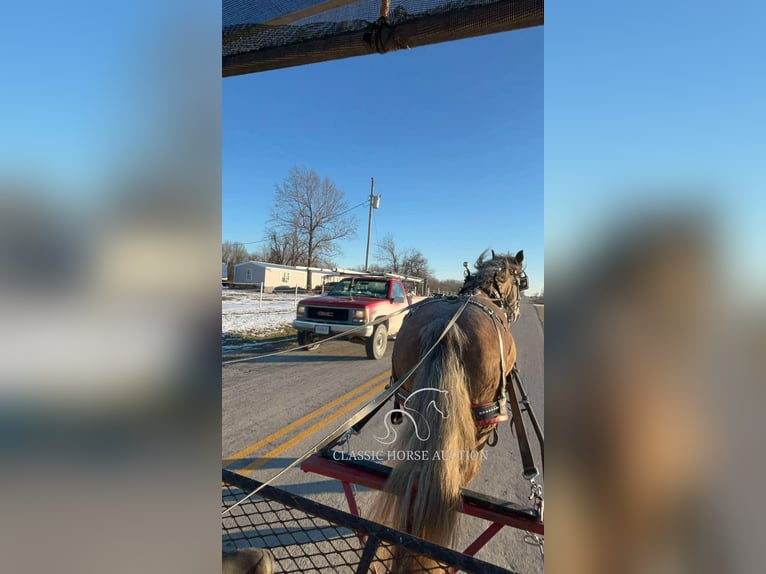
(495, 411)
(484, 414)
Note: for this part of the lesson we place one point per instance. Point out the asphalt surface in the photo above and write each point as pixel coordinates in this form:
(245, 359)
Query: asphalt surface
(274, 409)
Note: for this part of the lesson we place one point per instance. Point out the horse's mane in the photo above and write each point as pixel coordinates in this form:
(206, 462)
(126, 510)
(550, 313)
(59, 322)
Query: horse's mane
(485, 272)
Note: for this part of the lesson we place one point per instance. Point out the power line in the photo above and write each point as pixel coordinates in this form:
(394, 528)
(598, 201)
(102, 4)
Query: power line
(365, 202)
(247, 242)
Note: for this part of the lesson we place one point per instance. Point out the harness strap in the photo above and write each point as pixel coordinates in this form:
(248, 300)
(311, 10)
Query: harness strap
(488, 414)
(496, 286)
(492, 438)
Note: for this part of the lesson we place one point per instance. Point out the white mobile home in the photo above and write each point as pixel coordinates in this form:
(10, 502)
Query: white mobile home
(253, 273)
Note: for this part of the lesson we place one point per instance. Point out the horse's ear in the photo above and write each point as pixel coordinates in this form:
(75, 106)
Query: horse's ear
(480, 260)
(520, 256)
(493, 254)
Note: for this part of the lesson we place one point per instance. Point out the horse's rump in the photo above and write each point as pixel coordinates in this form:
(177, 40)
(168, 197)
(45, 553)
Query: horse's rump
(481, 356)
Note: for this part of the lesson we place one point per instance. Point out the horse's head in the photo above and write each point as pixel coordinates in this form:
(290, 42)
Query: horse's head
(502, 277)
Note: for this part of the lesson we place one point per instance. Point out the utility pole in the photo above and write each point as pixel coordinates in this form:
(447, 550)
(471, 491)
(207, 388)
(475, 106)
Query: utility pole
(374, 204)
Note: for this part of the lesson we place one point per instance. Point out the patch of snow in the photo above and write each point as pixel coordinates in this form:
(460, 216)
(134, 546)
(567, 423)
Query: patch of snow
(244, 314)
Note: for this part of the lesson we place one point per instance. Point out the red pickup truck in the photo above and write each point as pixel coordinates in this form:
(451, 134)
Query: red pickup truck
(353, 302)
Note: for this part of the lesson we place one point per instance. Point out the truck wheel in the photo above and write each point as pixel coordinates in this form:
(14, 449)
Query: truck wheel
(376, 345)
(305, 338)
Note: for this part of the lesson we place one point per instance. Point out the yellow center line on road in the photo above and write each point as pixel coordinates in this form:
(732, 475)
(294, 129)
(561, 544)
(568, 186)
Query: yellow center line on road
(258, 463)
(311, 416)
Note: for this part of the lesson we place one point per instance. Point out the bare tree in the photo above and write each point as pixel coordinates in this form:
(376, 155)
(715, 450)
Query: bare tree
(404, 261)
(388, 254)
(415, 263)
(284, 248)
(232, 253)
(260, 254)
(314, 212)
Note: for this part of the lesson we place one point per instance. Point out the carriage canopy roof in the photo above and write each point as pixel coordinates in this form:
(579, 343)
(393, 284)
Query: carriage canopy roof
(268, 34)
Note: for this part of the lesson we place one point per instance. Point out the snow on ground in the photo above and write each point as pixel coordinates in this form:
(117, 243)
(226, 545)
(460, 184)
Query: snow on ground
(244, 315)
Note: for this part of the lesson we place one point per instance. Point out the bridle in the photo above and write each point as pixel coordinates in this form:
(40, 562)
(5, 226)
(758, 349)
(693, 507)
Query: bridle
(511, 306)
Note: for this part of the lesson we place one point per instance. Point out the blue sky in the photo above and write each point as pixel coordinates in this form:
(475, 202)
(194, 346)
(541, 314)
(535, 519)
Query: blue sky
(657, 106)
(648, 96)
(452, 134)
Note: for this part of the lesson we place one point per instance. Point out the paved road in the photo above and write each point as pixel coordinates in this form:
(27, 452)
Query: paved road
(276, 408)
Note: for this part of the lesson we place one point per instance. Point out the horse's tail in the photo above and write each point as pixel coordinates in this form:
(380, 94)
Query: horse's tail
(422, 494)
